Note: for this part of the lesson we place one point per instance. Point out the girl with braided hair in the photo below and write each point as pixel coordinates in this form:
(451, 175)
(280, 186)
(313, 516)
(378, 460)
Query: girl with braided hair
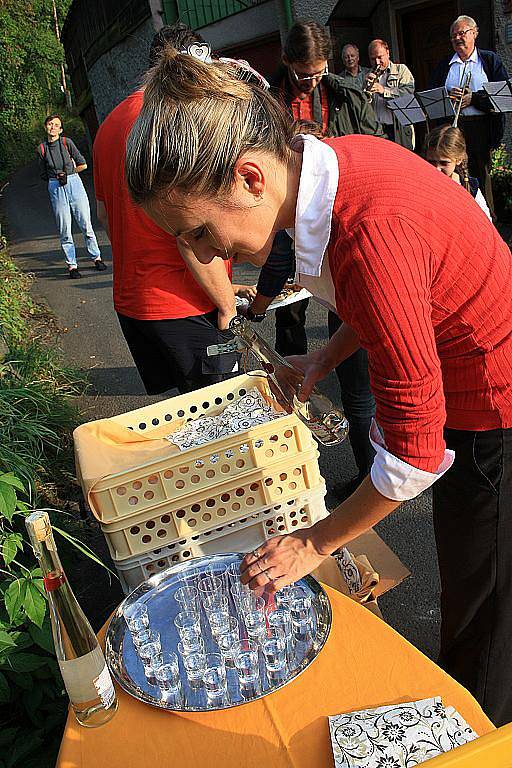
(445, 149)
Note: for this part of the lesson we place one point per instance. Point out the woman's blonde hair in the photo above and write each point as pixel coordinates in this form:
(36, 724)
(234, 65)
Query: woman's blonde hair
(196, 120)
(449, 142)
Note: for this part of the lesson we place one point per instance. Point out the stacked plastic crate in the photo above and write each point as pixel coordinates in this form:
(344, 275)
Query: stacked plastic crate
(229, 495)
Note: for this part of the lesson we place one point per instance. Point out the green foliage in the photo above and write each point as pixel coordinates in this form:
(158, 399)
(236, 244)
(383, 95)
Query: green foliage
(501, 175)
(30, 63)
(15, 302)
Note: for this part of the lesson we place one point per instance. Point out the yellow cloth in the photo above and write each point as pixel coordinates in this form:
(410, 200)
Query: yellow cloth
(104, 448)
(364, 664)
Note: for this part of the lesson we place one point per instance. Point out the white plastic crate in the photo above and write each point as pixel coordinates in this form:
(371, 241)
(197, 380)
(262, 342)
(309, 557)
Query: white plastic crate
(240, 535)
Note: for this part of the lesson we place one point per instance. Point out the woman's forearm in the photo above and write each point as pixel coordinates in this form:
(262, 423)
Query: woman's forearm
(361, 511)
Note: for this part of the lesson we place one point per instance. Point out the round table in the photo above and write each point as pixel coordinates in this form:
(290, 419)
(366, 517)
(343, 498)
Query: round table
(364, 664)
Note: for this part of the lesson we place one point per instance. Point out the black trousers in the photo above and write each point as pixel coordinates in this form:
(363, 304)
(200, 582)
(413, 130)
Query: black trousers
(172, 353)
(477, 132)
(473, 528)
(356, 395)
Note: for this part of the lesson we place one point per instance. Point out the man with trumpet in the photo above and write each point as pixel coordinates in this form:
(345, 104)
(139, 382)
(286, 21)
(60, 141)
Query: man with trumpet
(386, 81)
(463, 75)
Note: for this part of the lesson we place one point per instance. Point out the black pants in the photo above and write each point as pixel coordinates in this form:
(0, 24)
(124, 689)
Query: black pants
(473, 527)
(356, 395)
(477, 132)
(172, 353)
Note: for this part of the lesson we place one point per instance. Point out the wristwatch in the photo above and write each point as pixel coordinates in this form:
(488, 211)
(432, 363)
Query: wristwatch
(255, 317)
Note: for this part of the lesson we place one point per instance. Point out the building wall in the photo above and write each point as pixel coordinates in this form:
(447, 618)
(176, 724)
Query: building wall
(256, 22)
(118, 72)
(504, 50)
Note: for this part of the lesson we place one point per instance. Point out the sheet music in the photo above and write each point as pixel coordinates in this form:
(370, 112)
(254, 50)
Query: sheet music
(436, 103)
(500, 95)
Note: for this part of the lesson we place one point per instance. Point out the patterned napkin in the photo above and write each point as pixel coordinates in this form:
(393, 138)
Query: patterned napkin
(349, 570)
(239, 416)
(397, 736)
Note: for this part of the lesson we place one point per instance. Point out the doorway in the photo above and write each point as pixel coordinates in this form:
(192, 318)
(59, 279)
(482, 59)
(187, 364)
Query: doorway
(423, 36)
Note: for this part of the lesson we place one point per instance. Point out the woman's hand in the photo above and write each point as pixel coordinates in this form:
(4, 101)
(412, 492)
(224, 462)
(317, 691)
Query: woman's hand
(245, 291)
(315, 367)
(281, 561)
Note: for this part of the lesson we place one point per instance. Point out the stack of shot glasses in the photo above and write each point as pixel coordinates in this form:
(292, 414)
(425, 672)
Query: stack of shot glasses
(161, 669)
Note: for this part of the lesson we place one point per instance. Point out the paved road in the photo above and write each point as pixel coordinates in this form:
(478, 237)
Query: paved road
(91, 340)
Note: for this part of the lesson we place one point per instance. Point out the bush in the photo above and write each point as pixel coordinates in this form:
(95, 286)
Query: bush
(501, 175)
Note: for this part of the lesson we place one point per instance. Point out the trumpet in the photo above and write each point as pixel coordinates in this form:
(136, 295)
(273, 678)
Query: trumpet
(464, 88)
(371, 79)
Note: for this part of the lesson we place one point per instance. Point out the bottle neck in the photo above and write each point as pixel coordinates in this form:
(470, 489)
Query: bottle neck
(49, 562)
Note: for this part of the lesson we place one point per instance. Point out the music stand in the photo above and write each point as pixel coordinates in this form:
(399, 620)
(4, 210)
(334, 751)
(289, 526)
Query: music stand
(407, 110)
(436, 104)
(500, 95)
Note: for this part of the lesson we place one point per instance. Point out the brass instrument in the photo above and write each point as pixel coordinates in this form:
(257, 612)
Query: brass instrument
(371, 79)
(464, 88)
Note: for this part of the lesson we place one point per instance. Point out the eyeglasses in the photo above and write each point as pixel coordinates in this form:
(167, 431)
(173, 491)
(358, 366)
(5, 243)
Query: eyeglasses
(308, 78)
(462, 33)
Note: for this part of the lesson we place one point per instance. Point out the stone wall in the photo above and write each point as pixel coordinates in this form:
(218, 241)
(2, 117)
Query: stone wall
(504, 51)
(118, 72)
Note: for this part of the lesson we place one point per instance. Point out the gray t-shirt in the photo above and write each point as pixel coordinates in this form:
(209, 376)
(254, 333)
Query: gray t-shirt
(56, 156)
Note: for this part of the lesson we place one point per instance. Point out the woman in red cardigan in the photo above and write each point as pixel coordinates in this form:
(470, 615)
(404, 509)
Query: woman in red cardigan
(421, 279)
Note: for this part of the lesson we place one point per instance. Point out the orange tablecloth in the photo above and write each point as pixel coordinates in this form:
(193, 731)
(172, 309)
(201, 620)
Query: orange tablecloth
(364, 663)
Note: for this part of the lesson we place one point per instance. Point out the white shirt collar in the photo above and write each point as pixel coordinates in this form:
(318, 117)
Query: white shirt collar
(318, 186)
(456, 58)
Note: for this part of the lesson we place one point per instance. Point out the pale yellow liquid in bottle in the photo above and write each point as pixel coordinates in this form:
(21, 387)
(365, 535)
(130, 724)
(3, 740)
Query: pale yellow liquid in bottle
(89, 688)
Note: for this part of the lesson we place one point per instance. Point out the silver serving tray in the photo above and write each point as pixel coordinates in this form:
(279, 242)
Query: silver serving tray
(157, 592)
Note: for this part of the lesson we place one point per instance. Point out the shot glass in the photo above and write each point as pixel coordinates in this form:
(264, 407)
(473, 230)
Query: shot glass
(255, 620)
(242, 598)
(188, 625)
(208, 586)
(168, 675)
(136, 616)
(274, 652)
(214, 676)
(195, 664)
(151, 656)
(280, 620)
(247, 662)
(302, 618)
(287, 594)
(218, 616)
(197, 645)
(142, 637)
(227, 641)
(187, 598)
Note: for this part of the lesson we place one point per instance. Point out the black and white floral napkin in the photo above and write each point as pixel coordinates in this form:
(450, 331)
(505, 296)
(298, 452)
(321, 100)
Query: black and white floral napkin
(246, 412)
(397, 736)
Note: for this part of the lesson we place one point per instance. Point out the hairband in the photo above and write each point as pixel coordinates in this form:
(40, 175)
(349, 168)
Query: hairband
(203, 52)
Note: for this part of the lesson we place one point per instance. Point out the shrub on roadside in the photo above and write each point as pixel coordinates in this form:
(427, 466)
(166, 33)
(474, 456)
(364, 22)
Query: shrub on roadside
(501, 175)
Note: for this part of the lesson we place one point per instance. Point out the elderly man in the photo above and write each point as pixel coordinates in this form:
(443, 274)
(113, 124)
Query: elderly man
(483, 131)
(353, 73)
(395, 80)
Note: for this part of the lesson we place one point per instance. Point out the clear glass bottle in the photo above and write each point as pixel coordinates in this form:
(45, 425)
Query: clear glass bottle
(81, 661)
(327, 423)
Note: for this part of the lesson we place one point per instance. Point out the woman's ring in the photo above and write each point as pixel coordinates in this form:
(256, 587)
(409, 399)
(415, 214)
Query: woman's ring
(256, 553)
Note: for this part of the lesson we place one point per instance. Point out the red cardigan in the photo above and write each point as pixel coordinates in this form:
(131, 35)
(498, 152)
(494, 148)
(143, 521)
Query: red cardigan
(424, 278)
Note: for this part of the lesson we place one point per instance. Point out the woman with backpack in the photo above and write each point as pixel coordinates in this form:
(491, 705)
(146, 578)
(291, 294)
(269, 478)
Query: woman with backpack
(60, 163)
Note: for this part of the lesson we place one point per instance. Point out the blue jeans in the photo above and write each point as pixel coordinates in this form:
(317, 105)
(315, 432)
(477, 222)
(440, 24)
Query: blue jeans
(67, 200)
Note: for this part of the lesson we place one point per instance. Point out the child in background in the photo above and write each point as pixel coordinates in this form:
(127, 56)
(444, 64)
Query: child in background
(445, 149)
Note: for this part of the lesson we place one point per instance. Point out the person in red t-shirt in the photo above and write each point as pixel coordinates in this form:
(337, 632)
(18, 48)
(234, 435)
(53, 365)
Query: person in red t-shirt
(422, 280)
(169, 309)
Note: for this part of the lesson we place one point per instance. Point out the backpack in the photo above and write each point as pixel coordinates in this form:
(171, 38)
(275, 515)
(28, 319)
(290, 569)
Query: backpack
(42, 149)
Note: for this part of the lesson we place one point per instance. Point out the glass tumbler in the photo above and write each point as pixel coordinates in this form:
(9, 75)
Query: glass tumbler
(136, 616)
(208, 586)
(188, 625)
(247, 661)
(195, 664)
(227, 641)
(214, 676)
(274, 652)
(255, 620)
(280, 620)
(168, 675)
(302, 618)
(218, 616)
(187, 598)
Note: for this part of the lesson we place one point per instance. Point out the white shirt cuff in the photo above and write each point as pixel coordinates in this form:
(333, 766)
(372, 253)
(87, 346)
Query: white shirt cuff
(394, 478)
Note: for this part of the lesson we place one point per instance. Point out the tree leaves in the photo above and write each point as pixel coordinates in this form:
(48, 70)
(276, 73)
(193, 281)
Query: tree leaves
(10, 545)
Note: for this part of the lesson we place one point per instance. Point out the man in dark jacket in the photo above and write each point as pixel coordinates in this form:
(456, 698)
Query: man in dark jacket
(482, 129)
(312, 95)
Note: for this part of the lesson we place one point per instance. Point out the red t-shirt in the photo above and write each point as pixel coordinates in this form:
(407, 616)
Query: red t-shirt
(302, 109)
(151, 281)
(424, 279)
